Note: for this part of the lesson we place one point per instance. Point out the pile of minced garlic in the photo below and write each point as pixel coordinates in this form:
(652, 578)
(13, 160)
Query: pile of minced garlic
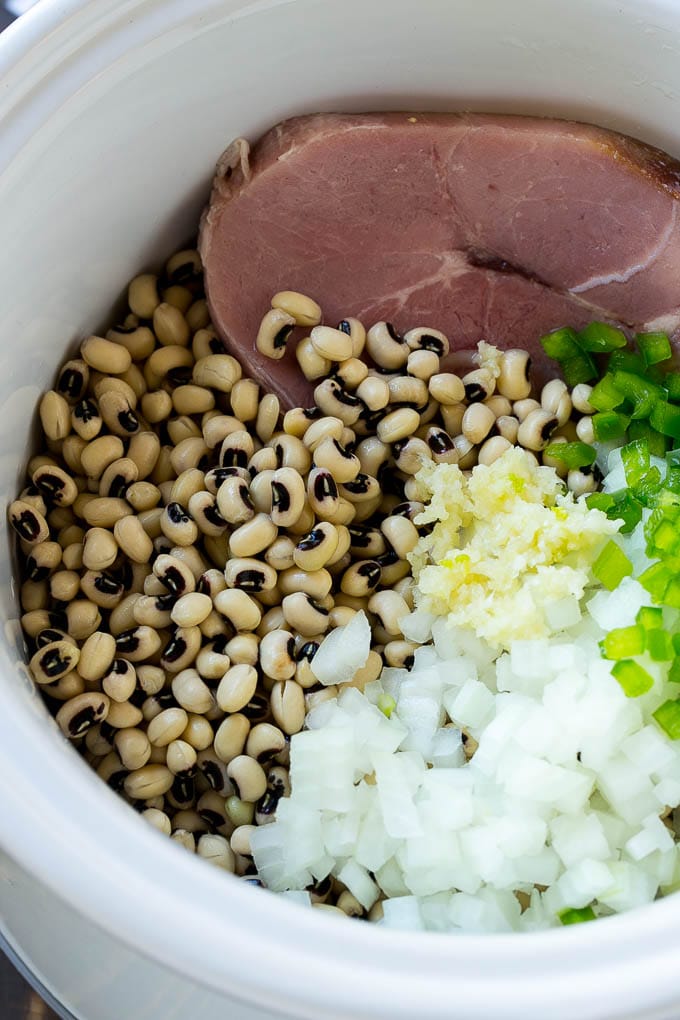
(506, 782)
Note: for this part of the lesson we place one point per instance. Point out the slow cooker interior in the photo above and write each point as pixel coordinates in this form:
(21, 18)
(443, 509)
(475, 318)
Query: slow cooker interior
(114, 120)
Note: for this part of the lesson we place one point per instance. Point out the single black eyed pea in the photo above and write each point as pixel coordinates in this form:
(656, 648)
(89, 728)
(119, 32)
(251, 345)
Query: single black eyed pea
(203, 509)
(351, 373)
(289, 452)
(55, 415)
(133, 747)
(508, 426)
(273, 619)
(374, 392)
(240, 838)
(400, 654)
(96, 655)
(244, 399)
(305, 615)
(214, 770)
(143, 295)
(401, 533)
(67, 687)
(79, 714)
(181, 649)
(242, 611)
(250, 575)
(153, 610)
(215, 849)
(151, 522)
(198, 732)
(192, 558)
(54, 660)
(105, 355)
(327, 427)
(478, 421)
(177, 525)
(99, 453)
(243, 648)
(362, 490)
(113, 384)
(343, 465)
(514, 379)
(523, 408)
(234, 501)
(101, 588)
(312, 365)
(158, 820)
(499, 405)
(191, 609)
(174, 574)
(535, 431)
(73, 378)
(211, 582)
(56, 486)
(144, 450)
(423, 364)
(287, 701)
(148, 781)
(218, 427)
(492, 449)
(83, 618)
(398, 425)
(267, 417)
(170, 326)
(36, 594)
(264, 742)
(105, 511)
(181, 758)
(386, 348)
(556, 400)
(118, 415)
(581, 482)
(217, 372)
(275, 329)
(467, 452)
(100, 549)
(277, 655)
(254, 536)
(236, 688)
(424, 338)
(248, 777)
(322, 492)
(156, 406)
(335, 401)
(191, 693)
(71, 450)
(406, 389)
(280, 554)
(188, 453)
(332, 344)
(584, 430)
(192, 399)
(316, 583)
(580, 397)
(142, 496)
(43, 560)
(237, 449)
(184, 838)
(452, 417)
(354, 329)
(231, 736)
(39, 620)
(132, 539)
(167, 726)
(412, 454)
(317, 547)
(390, 608)
(137, 643)
(361, 578)
(287, 501)
(303, 309)
(151, 679)
(120, 680)
(139, 340)
(29, 524)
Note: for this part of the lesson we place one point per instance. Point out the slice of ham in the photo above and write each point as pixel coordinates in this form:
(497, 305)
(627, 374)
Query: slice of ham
(487, 227)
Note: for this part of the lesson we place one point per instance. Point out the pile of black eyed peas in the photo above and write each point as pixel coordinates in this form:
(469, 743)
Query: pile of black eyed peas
(185, 546)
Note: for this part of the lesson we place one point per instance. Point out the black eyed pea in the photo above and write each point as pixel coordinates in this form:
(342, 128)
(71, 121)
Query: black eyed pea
(158, 820)
(248, 777)
(480, 384)
(317, 547)
(199, 732)
(55, 415)
(290, 452)
(205, 342)
(240, 838)
(186, 485)
(326, 427)
(36, 594)
(452, 417)
(492, 449)
(303, 309)
(133, 747)
(336, 402)
(188, 453)
(151, 679)
(265, 742)
(423, 364)
(237, 449)
(139, 340)
(273, 619)
(165, 361)
(374, 392)
(401, 534)
(191, 557)
(366, 542)
(132, 539)
(267, 417)
(406, 389)
(297, 421)
(97, 745)
(82, 618)
(192, 399)
(105, 511)
(181, 758)
(255, 535)
(322, 492)
(71, 450)
(215, 849)
(123, 714)
(154, 610)
(305, 615)
(287, 500)
(362, 489)
(263, 460)
(400, 654)
(393, 570)
(38, 620)
(273, 333)
(250, 575)
(137, 643)
(386, 347)
(214, 626)
(354, 329)
(142, 496)
(236, 688)
(179, 297)
(315, 583)
(332, 344)
(211, 582)
(112, 384)
(174, 575)
(67, 687)
(118, 478)
(584, 429)
(536, 429)
(120, 680)
(167, 726)
(243, 648)
(556, 400)
(56, 486)
(580, 397)
(390, 608)
(312, 365)
(287, 701)
(96, 655)
(242, 611)
(467, 452)
(191, 693)
(184, 838)
(581, 482)
(145, 450)
(351, 373)
(514, 379)
(277, 656)
(53, 661)
(244, 399)
(215, 477)
(214, 770)
(170, 326)
(148, 781)
(43, 560)
(373, 455)
(117, 414)
(184, 266)
(499, 405)
(304, 523)
(101, 588)
(73, 378)
(343, 465)
(100, 453)
(523, 408)
(424, 338)
(412, 454)
(446, 388)
(280, 554)
(143, 295)
(178, 526)
(508, 426)
(79, 714)
(105, 356)
(361, 578)
(156, 406)
(398, 425)
(181, 649)
(191, 609)
(478, 420)
(203, 509)
(278, 786)
(29, 524)
(231, 736)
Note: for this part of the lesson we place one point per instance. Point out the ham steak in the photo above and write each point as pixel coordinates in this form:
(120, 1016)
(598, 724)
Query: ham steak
(487, 227)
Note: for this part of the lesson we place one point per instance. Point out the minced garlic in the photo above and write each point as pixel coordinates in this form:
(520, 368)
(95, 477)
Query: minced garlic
(506, 544)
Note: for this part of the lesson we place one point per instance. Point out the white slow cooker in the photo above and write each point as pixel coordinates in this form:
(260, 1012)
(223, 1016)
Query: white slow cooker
(112, 113)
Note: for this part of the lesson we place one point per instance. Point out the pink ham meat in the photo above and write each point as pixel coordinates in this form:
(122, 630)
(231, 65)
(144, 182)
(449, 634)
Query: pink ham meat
(488, 227)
